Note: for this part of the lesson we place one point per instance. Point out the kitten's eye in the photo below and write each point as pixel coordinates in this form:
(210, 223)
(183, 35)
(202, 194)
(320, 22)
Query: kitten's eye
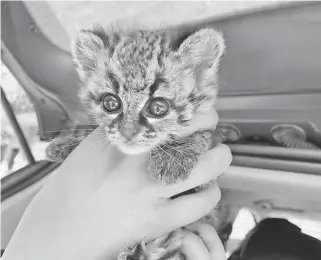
(158, 107)
(111, 103)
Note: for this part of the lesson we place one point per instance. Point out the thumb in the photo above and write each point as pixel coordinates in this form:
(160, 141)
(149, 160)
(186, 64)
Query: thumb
(190, 208)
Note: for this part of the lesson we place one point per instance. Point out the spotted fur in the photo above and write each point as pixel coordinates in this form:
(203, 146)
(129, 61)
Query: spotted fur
(137, 66)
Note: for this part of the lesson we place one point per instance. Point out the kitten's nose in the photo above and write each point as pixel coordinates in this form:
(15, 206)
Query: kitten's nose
(129, 130)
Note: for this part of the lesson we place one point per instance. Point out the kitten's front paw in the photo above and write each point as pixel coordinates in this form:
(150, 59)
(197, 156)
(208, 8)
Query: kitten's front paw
(174, 161)
(137, 252)
(61, 147)
(164, 248)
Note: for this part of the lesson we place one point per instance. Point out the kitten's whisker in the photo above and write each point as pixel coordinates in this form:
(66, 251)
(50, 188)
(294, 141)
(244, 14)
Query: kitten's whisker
(97, 143)
(110, 146)
(99, 139)
(171, 147)
(105, 141)
(158, 152)
(90, 67)
(69, 144)
(171, 157)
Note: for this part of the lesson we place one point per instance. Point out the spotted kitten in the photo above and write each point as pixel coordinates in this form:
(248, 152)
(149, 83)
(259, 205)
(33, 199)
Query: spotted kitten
(143, 90)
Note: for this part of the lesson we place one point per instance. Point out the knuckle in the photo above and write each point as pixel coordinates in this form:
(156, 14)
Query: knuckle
(225, 156)
(216, 196)
(211, 199)
(224, 150)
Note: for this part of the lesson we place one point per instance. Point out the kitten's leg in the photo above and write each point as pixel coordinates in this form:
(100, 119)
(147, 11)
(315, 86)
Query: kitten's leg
(174, 161)
(61, 147)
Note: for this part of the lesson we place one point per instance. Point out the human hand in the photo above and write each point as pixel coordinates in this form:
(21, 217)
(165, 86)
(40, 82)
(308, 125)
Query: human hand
(100, 201)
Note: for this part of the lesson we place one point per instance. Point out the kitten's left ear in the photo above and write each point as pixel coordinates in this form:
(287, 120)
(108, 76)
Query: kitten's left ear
(86, 49)
(203, 48)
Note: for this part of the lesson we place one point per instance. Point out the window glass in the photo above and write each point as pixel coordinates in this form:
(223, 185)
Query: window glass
(12, 157)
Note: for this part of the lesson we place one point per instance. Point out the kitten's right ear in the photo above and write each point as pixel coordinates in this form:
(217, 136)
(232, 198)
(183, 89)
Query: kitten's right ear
(86, 49)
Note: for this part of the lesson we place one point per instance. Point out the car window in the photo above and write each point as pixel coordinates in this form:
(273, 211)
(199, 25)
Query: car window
(12, 155)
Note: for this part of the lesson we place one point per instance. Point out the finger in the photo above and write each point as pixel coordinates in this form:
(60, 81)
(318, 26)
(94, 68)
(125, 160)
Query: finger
(187, 209)
(205, 120)
(210, 166)
(210, 238)
(194, 248)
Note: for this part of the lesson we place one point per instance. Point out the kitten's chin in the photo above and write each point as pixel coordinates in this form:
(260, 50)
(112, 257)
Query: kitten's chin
(133, 148)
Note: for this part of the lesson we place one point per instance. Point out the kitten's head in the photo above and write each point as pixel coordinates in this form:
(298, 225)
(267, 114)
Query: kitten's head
(141, 89)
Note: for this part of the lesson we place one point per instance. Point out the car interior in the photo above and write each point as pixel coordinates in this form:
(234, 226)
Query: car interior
(269, 109)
